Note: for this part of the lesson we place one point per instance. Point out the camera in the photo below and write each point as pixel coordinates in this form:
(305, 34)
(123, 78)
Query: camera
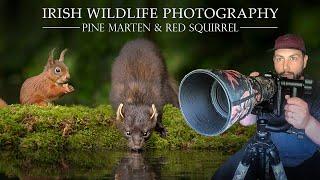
(212, 101)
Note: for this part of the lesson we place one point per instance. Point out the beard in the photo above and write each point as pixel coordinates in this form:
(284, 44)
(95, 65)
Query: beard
(291, 75)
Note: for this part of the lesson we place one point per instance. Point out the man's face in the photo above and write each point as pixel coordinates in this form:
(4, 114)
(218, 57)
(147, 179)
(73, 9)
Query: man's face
(289, 63)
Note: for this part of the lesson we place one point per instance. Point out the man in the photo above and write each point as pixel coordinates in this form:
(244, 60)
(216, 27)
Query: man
(299, 154)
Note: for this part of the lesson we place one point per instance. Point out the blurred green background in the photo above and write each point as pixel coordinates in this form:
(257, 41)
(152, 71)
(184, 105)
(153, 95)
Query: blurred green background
(24, 45)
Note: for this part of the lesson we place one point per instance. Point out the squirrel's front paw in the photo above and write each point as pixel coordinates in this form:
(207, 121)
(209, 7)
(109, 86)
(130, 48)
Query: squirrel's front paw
(71, 88)
(68, 88)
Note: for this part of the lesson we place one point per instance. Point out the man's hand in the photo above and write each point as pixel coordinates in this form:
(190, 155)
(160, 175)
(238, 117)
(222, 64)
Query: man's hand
(254, 74)
(250, 119)
(297, 112)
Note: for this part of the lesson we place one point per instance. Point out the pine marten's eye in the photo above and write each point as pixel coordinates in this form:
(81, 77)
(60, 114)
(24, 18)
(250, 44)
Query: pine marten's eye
(128, 133)
(145, 133)
(57, 70)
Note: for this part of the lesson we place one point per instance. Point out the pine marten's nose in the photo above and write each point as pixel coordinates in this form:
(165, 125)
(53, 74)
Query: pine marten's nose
(137, 149)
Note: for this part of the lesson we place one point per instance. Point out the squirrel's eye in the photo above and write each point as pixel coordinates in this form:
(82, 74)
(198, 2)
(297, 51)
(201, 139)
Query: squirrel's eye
(145, 133)
(57, 70)
(128, 133)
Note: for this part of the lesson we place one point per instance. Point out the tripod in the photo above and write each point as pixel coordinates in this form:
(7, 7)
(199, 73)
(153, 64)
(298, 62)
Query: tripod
(261, 149)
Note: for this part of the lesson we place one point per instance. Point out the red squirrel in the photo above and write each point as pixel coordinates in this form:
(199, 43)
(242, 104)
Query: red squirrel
(51, 84)
(2, 103)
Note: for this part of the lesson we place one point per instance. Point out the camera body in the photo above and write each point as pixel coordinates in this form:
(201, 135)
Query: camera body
(275, 104)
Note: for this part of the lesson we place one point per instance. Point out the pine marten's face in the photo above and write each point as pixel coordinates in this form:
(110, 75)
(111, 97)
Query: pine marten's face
(137, 125)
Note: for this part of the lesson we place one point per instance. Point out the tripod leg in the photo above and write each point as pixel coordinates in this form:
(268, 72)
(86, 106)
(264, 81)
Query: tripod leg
(276, 165)
(241, 171)
(244, 165)
(279, 172)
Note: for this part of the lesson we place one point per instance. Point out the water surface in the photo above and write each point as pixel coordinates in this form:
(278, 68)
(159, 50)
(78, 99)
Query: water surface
(180, 164)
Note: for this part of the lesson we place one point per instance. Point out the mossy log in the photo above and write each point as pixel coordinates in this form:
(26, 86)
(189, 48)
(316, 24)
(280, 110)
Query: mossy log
(60, 128)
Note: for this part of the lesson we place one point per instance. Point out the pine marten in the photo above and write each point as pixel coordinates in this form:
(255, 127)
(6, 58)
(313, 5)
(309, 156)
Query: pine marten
(135, 166)
(140, 89)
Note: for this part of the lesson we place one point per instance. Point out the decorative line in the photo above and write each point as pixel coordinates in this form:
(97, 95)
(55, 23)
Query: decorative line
(259, 27)
(60, 27)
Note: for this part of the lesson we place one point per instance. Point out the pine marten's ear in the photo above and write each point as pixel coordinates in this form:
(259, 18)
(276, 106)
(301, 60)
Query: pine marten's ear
(62, 55)
(120, 116)
(154, 113)
(50, 58)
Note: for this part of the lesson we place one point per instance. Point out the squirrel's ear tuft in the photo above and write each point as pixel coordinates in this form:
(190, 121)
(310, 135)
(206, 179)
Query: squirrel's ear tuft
(50, 58)
(62, 55)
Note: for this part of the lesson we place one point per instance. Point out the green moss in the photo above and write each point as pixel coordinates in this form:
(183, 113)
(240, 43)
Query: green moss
(10, 132)
(181, 136)
(96, 139)
(58, 128)
(50, 140)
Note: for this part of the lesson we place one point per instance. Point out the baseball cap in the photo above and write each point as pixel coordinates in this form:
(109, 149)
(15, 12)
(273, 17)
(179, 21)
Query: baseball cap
(290, 41)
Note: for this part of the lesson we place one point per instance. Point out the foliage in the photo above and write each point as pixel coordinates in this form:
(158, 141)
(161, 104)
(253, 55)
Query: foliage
(24, 45)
